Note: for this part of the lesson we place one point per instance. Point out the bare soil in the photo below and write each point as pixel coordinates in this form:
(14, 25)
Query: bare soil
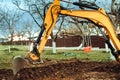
(66, 70)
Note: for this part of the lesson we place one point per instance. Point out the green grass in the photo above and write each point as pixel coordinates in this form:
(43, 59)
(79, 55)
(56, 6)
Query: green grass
(6, 57)
(91, 56)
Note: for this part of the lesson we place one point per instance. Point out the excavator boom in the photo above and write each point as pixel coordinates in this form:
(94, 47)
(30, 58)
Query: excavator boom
(97, 16)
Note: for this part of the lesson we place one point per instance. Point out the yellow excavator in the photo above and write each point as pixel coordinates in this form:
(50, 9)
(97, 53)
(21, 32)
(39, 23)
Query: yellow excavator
(94, 14)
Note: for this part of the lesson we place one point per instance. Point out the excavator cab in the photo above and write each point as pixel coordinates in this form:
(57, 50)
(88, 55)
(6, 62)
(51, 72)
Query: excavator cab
(93, 13)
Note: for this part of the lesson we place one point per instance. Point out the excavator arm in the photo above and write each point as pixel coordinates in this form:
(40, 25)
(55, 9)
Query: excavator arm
(99, 17)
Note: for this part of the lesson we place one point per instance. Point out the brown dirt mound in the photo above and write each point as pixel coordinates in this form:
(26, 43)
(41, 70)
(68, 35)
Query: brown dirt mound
(67, 70)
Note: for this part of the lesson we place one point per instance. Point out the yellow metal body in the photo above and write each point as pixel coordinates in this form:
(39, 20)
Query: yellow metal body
(97, 16)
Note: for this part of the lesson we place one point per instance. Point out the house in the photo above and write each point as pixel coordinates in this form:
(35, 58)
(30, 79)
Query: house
(18, 37)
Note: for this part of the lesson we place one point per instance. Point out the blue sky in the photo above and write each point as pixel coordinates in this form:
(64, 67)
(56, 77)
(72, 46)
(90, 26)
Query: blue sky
(106, 4)
(7, 4)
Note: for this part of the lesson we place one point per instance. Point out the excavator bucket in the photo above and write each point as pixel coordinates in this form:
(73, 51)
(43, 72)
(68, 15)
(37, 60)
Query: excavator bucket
(18, 63)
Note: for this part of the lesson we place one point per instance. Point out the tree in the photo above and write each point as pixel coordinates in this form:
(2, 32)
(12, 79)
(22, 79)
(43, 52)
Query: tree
(33, 8)
(115, 8)
(30, 30)
(10, 21)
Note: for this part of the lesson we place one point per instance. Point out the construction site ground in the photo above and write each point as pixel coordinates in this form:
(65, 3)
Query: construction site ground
(73, 69)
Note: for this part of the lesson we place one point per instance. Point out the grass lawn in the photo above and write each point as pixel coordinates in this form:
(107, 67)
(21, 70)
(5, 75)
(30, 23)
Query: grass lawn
(6, 57)
(78, 54)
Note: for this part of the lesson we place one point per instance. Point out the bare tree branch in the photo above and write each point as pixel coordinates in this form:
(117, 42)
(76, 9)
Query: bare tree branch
(30, 11)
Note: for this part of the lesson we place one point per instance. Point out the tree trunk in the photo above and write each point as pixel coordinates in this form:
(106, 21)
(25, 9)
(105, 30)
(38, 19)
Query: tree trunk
(106, 48)
(81, 45)
(54, 46)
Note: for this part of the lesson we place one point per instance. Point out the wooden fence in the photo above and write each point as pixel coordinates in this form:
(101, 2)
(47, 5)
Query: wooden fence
(74, 41)
(71, 41)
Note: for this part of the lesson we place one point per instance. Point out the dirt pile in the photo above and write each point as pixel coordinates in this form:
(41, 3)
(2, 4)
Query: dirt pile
(67, 70)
